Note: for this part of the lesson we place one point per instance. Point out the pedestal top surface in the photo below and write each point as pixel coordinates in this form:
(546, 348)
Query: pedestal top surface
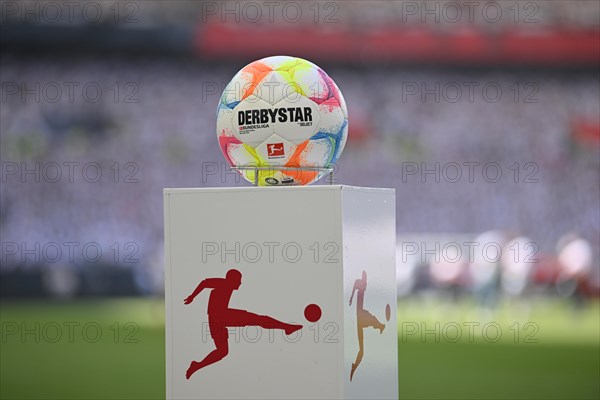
(292, 188)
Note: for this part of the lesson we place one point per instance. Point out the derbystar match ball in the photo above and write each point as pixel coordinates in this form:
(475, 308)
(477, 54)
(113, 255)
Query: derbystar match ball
(282, 112)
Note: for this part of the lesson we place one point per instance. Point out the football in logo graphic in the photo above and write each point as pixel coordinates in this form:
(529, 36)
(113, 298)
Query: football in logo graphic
(282, 112)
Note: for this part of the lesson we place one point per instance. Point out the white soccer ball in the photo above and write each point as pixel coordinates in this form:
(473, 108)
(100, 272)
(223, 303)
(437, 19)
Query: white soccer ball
(284, 115)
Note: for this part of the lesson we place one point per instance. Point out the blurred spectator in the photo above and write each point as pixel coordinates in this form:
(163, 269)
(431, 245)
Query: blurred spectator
(575, 257)
(517, 261)
(484, 269)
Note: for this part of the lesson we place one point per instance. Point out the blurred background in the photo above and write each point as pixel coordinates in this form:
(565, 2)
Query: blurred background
(484, 116)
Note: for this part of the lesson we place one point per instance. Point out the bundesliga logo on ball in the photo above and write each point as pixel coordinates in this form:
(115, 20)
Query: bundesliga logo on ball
(284, 119)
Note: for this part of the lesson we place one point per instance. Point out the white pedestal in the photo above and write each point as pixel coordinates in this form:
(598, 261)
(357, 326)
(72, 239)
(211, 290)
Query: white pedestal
(292, 246)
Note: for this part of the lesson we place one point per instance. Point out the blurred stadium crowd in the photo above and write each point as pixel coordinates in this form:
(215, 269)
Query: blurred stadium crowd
(439, 14)
(452, 163)
(506, 156)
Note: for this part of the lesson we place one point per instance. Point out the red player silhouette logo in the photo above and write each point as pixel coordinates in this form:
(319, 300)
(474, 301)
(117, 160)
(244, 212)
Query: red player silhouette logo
(364, 318)
(221, 317)
(275, 149)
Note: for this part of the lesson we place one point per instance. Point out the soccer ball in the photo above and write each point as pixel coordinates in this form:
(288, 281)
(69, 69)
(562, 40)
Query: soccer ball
(284, 115)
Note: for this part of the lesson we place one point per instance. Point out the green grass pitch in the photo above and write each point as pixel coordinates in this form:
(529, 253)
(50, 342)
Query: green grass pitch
(556, 356)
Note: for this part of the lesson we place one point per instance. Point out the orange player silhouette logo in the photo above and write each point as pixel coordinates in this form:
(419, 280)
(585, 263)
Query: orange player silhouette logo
(221, 317)
(364, 318)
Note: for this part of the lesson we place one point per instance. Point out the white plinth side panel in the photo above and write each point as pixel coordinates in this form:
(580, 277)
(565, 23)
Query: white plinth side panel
(369, 237)
(293, 246)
